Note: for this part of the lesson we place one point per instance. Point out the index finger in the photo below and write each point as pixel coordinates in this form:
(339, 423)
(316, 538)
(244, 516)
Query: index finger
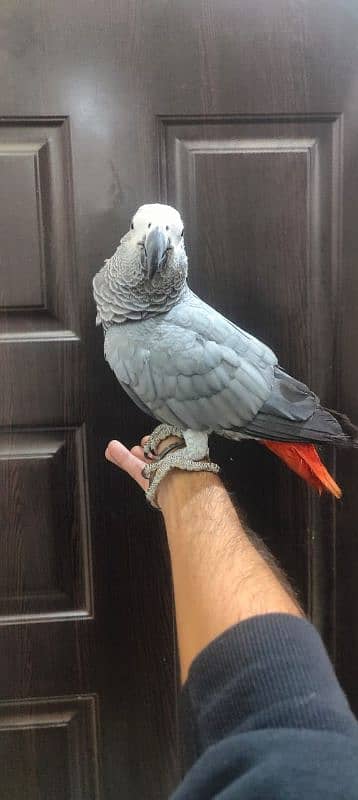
(118, 454)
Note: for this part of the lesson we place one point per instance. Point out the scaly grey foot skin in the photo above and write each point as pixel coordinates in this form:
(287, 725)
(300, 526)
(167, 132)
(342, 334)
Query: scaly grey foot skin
(160, 433)
(193, 457)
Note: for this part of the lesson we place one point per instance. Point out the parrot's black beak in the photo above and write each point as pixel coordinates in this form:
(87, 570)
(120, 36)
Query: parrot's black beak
(156, 246)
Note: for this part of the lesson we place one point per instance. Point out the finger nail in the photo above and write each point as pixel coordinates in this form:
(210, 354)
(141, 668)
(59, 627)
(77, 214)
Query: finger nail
(107, 452)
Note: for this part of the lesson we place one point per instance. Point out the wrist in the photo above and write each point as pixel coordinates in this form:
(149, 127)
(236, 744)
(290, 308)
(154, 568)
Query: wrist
(179, 489)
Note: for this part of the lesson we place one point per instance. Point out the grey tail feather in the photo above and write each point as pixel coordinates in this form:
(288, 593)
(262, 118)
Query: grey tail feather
(321, 427)
(346, 424)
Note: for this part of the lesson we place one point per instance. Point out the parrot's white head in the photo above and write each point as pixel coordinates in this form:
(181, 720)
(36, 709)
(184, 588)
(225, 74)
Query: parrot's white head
(158, 231)
(147, 273)
(156, 236)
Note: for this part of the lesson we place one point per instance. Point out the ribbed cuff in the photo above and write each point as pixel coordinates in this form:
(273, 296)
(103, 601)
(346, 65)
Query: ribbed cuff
(270, 671)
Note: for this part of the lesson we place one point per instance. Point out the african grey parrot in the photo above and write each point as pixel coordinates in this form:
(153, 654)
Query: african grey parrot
(187, 365)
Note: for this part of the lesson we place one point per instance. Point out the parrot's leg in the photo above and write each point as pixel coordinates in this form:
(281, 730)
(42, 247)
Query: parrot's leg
(196, 444)
(160, 433)
(192, 457)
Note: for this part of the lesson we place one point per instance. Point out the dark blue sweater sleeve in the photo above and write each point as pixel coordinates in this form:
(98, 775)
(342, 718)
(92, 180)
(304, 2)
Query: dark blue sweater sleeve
(264, 717)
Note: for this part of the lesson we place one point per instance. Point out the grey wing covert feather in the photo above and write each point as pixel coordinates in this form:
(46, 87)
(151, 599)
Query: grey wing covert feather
(192, 367)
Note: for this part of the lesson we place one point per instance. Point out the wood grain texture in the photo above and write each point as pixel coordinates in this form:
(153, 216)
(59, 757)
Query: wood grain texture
(246, 114)
(37, 273)
(57, 738)
(45, 569)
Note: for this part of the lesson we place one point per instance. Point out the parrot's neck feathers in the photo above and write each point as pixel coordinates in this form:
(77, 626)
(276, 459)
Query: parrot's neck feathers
(122, 291)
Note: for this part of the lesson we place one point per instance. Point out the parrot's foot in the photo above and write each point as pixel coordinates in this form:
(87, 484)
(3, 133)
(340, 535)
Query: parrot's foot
(160, 433)
(193, 456)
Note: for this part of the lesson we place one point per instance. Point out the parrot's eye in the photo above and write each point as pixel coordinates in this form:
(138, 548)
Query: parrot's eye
(182, 233)
(167, 227)
(132, 226)
(149, 224)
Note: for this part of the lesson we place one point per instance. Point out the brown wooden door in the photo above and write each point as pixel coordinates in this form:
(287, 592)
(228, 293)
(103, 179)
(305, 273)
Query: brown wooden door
(245, 116)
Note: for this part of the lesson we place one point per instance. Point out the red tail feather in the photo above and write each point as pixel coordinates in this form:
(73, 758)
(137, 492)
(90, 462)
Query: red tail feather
(305, 461)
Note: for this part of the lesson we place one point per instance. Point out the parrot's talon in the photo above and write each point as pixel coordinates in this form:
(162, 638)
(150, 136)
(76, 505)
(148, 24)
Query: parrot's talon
(147, 471)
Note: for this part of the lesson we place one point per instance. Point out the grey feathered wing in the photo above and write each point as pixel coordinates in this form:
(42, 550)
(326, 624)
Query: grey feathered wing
(293, 413)
(193, 368)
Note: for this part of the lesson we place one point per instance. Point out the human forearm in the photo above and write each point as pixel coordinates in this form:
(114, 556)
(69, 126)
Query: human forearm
(222, 573)
(219, 576)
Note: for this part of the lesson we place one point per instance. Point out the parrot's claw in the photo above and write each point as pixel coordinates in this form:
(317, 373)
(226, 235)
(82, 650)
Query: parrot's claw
(192, 457)
(160, 433)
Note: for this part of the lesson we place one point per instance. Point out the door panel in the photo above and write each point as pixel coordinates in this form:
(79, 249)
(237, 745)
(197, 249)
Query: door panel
(45, 571)
(260, 196)
(244, 115)
(49, 749)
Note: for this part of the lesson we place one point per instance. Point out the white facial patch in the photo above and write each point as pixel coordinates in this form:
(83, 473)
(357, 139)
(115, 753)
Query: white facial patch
(156, 215)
